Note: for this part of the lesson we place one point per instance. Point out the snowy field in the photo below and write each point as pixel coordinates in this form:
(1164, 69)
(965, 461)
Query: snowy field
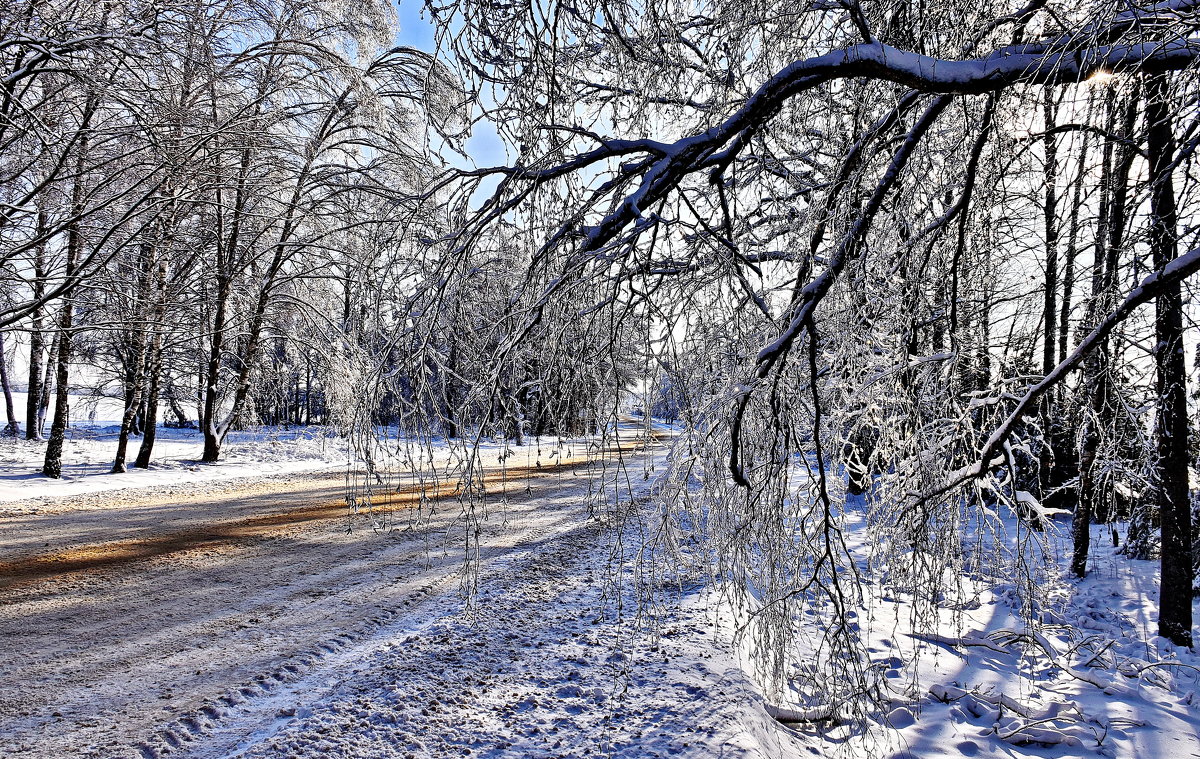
(92, 440)
(256, 617)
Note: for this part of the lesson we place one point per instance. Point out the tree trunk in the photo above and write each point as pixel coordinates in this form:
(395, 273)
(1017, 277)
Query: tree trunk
(1047, 478)
(135, 370)
(215, 432)
(1110, 236)
(52, 466)
(449, 418)
(58, 427)
(308, 378)
(226, 253)
(47, 386)
(181, 419)
(37, 343)
(208, 421)
(13, 428)
(154, 372)
(154, 360)
(1068, 277)
(134, 378)
(1171, 470)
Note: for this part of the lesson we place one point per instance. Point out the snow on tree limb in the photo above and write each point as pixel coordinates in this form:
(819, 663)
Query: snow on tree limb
(1003, 68)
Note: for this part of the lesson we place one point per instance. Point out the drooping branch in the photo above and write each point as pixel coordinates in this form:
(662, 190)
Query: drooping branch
(810, 297)
(1004, 68)
(662, 167)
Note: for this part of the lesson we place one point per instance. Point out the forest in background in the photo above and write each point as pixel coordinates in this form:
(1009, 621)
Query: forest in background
(930, 255)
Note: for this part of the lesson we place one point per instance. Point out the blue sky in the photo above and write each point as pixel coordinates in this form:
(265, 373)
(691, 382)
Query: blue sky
(414, 30)
(484, 146)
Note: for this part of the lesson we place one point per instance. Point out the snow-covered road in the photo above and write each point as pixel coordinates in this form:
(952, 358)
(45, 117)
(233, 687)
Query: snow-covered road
(259, 619)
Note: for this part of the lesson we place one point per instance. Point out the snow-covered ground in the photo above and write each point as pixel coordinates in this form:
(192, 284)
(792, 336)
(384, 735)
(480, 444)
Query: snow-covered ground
(1090, 678)
(252, 453)
(261, 619)
(92, 441)
(256, 617)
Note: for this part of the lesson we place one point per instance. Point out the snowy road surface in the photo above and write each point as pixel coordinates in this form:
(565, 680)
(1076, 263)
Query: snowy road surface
(258, 619)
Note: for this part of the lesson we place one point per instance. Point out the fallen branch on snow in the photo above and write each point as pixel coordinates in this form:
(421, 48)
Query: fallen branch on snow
(964, 641)
(819, 713)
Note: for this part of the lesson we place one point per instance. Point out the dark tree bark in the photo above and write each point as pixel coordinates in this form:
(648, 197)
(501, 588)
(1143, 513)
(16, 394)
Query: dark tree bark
(1046, 464)
(227, 252)
(216, 429)
(37, 342)
(1050, 227)
(449, 391)
(1069, 255)
(1110, 237)
(136, 359)
(172, 398)
(1171, 467)
(153, 379)
(62, 361)
(154, 361)
(52, 467)
(1063, 440)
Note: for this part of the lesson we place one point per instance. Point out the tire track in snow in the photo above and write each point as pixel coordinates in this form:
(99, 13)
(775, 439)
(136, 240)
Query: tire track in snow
(546, 666)
(244, 612)
(236, 717)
